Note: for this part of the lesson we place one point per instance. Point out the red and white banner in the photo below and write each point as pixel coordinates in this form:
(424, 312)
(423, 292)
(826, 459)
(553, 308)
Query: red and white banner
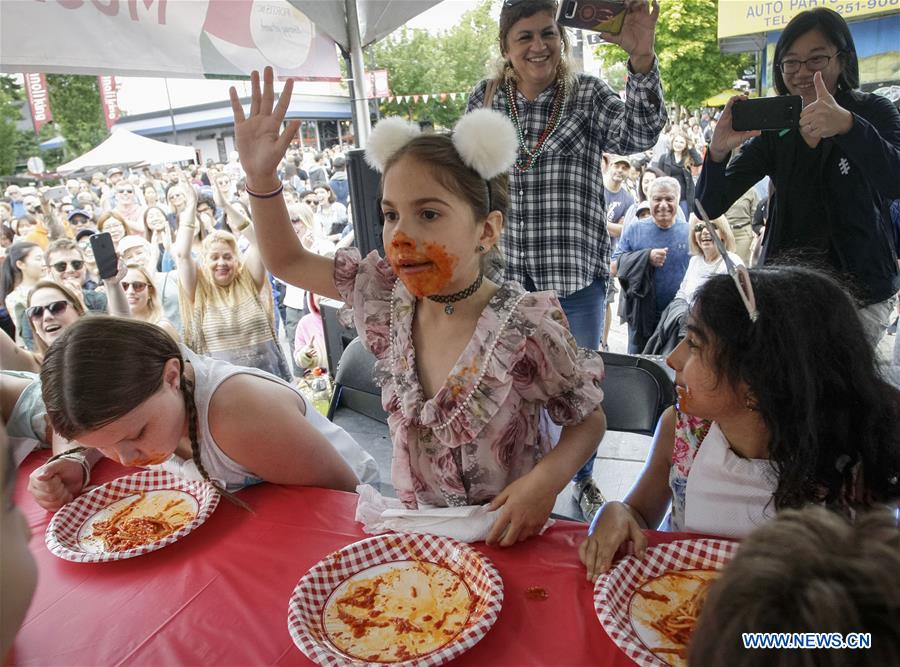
(38, 100)
(109, 99)
(182, 38)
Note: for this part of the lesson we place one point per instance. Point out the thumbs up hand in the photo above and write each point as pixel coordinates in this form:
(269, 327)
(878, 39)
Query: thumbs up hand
(824, 117)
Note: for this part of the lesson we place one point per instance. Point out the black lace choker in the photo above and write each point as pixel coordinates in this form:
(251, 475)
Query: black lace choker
(449, 299)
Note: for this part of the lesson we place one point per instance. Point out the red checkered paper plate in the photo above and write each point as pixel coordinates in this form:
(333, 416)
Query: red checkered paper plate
(626, 614)
(317, 599)
(69, 533)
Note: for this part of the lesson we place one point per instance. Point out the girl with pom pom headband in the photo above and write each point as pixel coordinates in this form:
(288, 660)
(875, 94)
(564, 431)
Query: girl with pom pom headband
(469, 368)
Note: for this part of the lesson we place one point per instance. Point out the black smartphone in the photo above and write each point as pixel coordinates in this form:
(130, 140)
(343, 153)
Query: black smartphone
(105, 255)
(594, 15)
(56, 193)
(767, 113)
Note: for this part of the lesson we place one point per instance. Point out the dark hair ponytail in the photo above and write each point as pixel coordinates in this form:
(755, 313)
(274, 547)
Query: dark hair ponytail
(10, 274)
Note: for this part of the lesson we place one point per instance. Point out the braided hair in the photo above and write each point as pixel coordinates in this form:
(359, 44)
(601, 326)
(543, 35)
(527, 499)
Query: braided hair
(88, 384)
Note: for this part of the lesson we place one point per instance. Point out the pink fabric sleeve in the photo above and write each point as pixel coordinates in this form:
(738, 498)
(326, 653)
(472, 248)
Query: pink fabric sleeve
(553, 369)
(366, 286)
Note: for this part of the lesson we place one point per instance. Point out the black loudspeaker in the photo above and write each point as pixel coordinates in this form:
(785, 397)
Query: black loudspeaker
(365, 189)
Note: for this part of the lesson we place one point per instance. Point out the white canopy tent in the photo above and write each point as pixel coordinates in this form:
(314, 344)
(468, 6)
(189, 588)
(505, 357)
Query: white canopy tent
(354, 24)
(199, 38)
(127, 149)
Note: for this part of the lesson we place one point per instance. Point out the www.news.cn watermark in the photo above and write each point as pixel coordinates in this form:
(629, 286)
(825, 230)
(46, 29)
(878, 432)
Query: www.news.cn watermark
(807, 640)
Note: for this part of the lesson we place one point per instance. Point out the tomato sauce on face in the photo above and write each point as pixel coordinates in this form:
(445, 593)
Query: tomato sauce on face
(437, 270)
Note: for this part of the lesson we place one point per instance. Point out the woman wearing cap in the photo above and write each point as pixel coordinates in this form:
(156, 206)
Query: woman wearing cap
(226, 302)
(556, 236)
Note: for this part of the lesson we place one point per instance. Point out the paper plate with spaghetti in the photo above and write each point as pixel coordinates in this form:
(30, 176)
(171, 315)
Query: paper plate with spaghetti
(649, 606)
(395, 599)
(129, 516)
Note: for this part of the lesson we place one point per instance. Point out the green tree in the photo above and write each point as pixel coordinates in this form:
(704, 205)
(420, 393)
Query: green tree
(75, 100)
(419, 63)
(11, 98)
(690, 63)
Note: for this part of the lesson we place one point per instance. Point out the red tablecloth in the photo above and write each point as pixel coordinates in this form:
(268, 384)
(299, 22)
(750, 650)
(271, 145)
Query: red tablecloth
(220, 595)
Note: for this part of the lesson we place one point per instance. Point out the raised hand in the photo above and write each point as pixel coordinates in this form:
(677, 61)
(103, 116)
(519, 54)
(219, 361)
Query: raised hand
(825, 117)
(259, 138)
(725, 138)
(639, 28)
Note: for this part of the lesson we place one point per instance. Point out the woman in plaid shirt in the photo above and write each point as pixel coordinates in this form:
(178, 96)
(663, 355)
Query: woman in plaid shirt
(556, 236)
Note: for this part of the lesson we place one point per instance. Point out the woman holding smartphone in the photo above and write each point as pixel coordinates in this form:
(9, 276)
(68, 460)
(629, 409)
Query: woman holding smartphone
(831, 176)
(556, 236)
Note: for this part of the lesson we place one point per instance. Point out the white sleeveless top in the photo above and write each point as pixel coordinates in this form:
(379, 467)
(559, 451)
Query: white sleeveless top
(208, 375)
(725, 494)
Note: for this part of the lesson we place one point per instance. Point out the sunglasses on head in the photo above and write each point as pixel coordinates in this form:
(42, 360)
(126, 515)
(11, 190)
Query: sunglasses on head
(76, 265)
(55, 308)
(137, 285)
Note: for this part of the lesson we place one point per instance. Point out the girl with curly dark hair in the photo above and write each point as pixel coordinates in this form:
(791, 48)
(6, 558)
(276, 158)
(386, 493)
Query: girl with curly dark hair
(790, 409)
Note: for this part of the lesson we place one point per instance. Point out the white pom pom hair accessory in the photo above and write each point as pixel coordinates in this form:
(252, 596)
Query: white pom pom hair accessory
(389, 136)
(485, 140)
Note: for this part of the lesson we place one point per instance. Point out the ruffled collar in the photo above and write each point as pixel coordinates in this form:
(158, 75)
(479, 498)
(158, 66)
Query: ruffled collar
(449, 402)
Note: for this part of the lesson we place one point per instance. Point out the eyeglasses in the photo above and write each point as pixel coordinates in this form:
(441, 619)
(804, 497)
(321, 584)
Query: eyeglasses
(138, 286)
(55, 308)
(126, 191)
(76, 265)
(814, 64)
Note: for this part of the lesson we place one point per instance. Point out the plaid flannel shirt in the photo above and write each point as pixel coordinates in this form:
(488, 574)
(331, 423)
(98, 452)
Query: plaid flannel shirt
(556, 227)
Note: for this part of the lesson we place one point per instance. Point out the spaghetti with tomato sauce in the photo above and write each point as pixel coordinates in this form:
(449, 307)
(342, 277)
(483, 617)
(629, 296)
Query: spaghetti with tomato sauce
(132, 526)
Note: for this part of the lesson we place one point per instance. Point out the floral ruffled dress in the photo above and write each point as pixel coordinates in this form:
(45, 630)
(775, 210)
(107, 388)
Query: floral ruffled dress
(487, 425)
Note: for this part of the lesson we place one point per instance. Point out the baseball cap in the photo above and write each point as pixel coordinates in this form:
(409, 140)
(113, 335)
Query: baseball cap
(84, 233)
(126, 243)
(78, 211)
(113, 170)
(612, 158)
(642, 206)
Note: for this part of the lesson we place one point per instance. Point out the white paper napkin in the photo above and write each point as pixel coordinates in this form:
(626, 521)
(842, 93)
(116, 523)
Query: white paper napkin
(468, 523)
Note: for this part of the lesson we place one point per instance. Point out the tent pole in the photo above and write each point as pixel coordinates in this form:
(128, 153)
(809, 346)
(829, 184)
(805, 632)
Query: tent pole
(171, 112)
(357, 73)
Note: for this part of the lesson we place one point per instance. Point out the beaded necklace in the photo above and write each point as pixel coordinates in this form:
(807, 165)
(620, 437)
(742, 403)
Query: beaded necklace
(532, 154)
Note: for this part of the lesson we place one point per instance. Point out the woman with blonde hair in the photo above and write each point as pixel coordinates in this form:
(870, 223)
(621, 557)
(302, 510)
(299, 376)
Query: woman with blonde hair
(143, 300)
(705, 259)
(226, 303)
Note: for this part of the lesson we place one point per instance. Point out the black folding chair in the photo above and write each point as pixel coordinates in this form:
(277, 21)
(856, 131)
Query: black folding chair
(636, 391)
